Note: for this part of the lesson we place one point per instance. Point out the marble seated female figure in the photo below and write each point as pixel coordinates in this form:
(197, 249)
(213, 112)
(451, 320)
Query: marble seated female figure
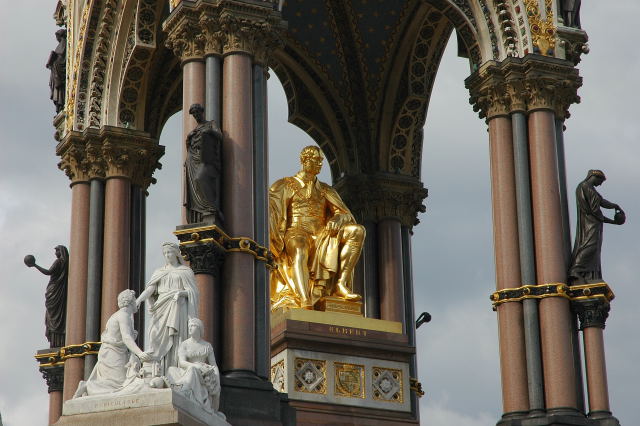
(172, 296)
(197, 376)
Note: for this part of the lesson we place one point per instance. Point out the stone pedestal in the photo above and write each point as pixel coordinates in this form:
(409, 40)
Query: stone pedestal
(160, 407)
(340, 368)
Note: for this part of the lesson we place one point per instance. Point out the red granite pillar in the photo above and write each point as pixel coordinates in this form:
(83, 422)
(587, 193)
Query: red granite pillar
(555, 330)
(115, 261)
(390, 273)
(77, 288)
(193, 86)
(238, 209)
(596, 370)
(515, 394)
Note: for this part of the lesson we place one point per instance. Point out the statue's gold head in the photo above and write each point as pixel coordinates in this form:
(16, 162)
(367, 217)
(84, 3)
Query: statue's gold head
(311, 159)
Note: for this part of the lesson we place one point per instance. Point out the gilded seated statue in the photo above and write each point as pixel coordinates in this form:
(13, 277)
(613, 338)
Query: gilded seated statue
(313, 237)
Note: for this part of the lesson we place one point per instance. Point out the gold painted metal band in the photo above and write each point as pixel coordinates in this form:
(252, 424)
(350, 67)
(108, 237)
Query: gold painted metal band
(70, 351)
(556, 289)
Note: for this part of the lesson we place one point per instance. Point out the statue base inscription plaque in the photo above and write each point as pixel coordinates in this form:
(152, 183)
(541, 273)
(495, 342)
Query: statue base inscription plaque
(158, 407)
(337, 304)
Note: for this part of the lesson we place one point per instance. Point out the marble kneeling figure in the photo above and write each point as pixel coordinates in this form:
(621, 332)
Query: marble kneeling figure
(116, 372)
(197, 376)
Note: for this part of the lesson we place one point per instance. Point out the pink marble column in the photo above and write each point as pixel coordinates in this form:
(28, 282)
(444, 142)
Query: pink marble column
(555, 330)
(596, 370)
(515, 393)
(208, 298)
(55, 406)
(390, 276)
(77, 285)
(115, 260)
(239, 275)
(193, 87)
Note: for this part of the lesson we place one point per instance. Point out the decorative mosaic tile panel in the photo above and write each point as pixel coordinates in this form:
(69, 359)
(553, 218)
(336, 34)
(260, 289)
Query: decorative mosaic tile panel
(349, 380)
(387, 385)
(311, 375)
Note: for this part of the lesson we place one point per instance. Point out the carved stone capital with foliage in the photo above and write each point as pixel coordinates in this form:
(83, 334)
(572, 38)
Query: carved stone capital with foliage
(110, 152)
(591, 312)
(206, 27)
(204, 258)
(382, 196)
(524, 85)
(54, 376)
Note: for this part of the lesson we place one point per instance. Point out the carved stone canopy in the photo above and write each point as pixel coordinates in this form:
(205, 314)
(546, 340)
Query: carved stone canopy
(525, 85)
(110, 152)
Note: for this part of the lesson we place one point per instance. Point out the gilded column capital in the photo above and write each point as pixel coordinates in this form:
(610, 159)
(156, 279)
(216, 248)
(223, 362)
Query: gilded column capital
(524, 84)
(73, 160)
(184, 35)
(383, 196)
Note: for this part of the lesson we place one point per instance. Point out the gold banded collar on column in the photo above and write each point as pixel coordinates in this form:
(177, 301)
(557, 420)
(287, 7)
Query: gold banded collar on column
(541, 291)
(58, 357)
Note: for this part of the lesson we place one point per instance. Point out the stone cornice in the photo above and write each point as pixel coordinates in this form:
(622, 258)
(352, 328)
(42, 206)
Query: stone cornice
(110, 152)
(524, 85)
(220, 27)
(382, 196)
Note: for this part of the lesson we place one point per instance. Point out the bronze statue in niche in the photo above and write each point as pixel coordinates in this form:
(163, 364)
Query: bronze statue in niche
(55, 296)
(57, 63)
(585, 260)
(203, 169)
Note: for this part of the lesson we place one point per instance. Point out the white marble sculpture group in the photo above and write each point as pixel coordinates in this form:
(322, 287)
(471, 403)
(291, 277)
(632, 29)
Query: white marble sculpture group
(178, 357)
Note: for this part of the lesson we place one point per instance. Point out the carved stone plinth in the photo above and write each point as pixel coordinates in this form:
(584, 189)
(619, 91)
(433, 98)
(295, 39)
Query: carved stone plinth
(160, 407)
(342, 368)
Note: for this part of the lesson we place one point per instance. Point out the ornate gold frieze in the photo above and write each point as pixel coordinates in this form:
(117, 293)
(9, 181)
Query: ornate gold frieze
(310, 375)
(387, 385)
(57, 358)
(349, 380)
(543, 29)
(74, 52)
(278, 376)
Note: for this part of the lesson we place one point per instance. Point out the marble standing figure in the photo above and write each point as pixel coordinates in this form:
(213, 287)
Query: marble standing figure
(313, 236)
(172, 296)
(57, 63)
(585, 259)
(119, 357)
(55, 295)
(203, 168)
(197, 376)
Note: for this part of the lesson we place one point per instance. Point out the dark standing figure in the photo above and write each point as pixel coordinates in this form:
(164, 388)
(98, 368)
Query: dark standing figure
(55, 296)
(585, 260)
(204, 169)
(571, 13)
(57, 63)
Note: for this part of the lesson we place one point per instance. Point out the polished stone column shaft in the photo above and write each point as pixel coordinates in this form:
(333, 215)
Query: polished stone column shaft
(596, 370)
(555, 316)
(261, 221)
(137, 250)
(238, 209)
(515, 398)
(390, 273)
(527, 260)
(213, 88)
(116, 257)
(410, 316)
(55, 406)
(193, 92)
(94, 278)
(369, 261)
(77, 284)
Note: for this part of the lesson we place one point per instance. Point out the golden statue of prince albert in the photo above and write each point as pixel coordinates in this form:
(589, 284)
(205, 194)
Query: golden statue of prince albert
(314, 238)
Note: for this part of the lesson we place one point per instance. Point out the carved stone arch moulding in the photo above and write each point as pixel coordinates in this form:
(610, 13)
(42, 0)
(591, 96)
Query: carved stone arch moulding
(141, 44)
(404, 149)
(306, 112)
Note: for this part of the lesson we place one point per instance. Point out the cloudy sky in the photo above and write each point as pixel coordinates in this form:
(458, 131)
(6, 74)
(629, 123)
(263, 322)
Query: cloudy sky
(452, 246)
